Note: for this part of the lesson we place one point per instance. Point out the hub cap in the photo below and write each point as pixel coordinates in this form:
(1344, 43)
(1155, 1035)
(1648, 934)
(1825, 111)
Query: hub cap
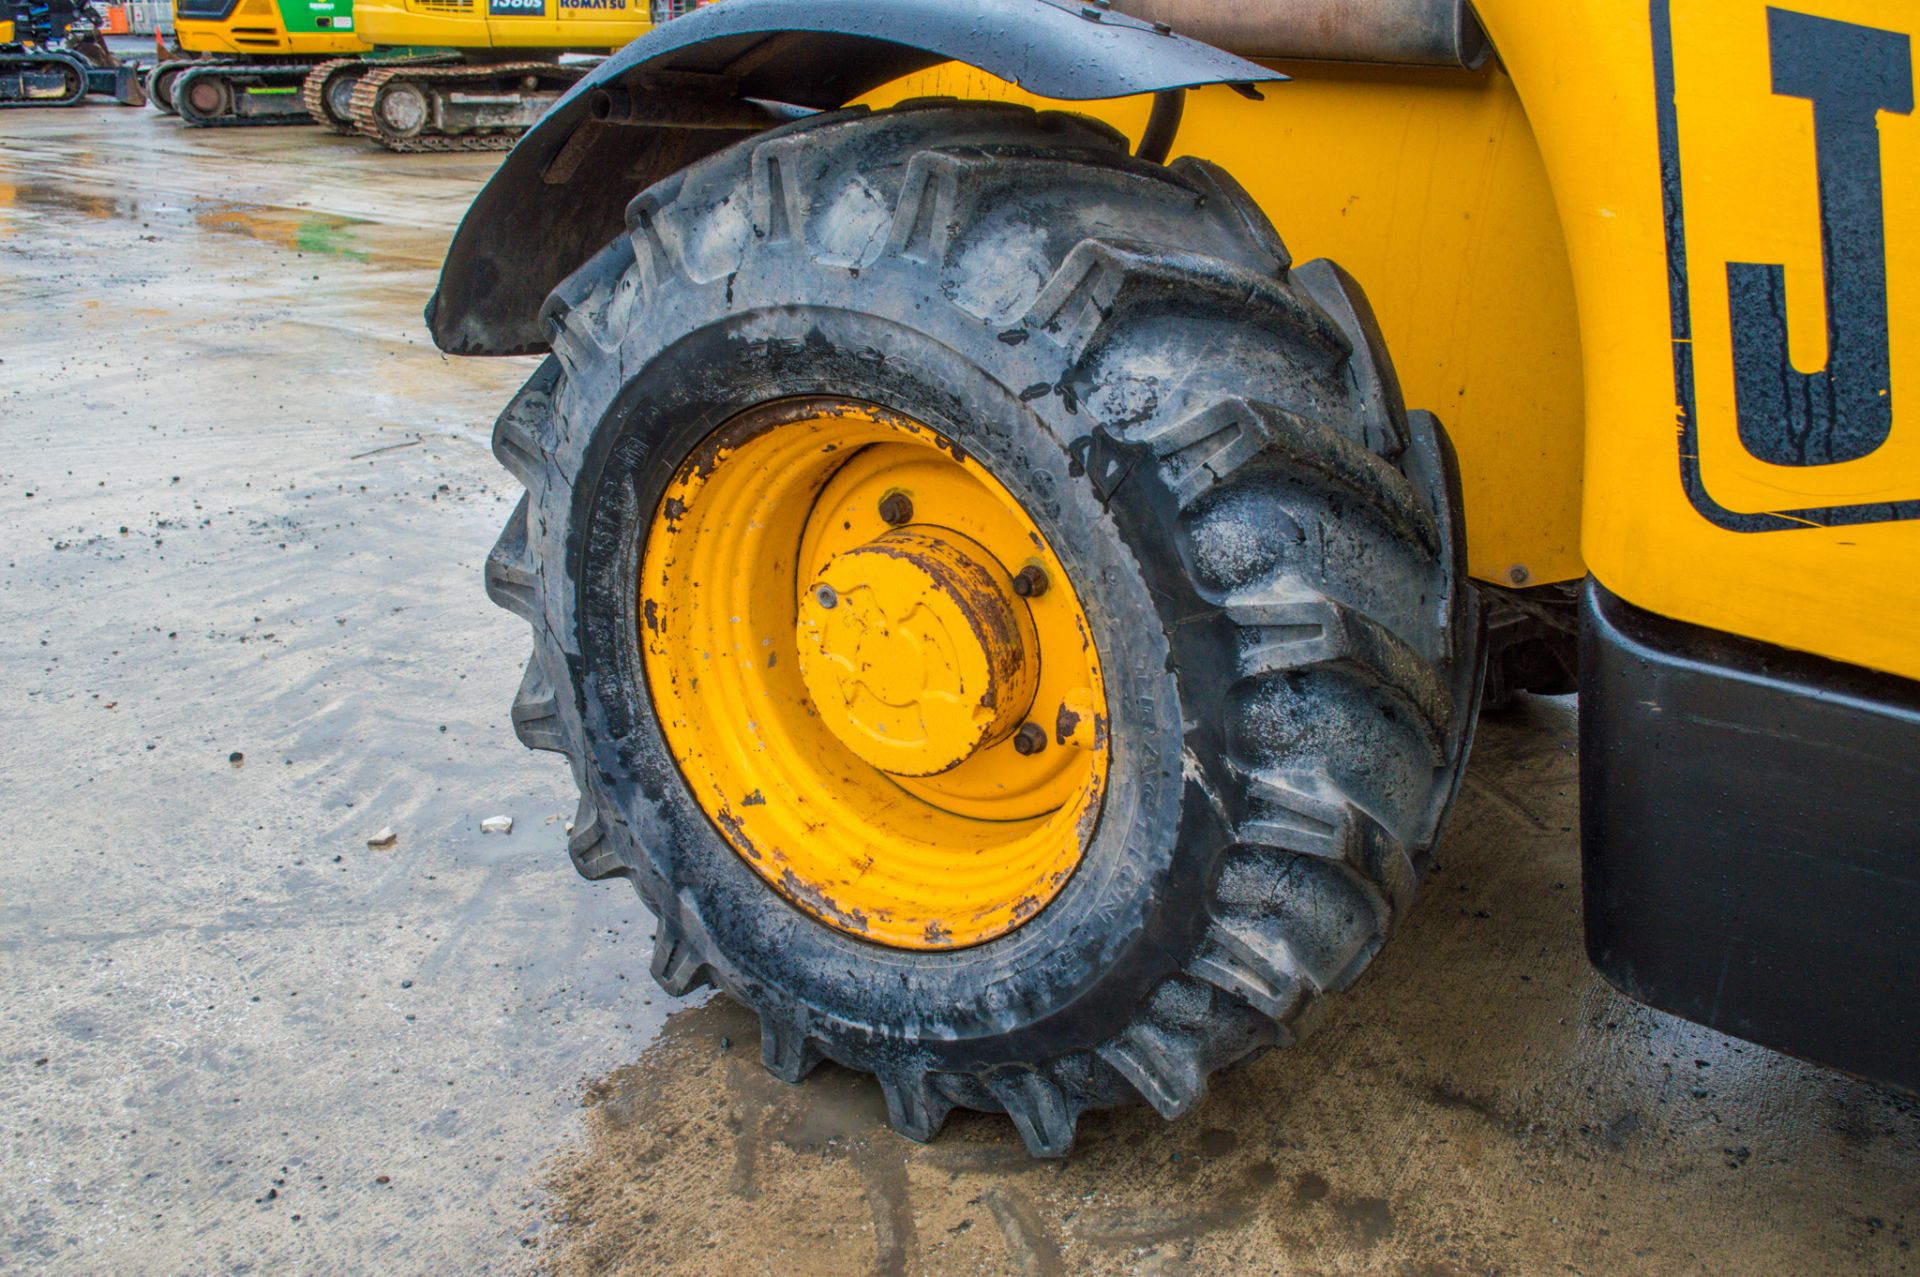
(874, 674)
(916, 651)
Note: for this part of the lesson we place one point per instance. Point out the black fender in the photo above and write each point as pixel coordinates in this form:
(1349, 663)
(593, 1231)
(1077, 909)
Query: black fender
(700, 83)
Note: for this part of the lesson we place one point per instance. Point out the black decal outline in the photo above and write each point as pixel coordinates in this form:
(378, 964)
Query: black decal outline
(1679, 302)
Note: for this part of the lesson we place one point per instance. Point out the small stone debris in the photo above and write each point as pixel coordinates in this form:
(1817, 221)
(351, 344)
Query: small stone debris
(497, 825)
(236, 759)
(384, 839)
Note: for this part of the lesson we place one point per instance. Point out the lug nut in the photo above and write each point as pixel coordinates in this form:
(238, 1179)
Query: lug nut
(1031, 582)
(1030, 739)
(826, 596)
(896, 508)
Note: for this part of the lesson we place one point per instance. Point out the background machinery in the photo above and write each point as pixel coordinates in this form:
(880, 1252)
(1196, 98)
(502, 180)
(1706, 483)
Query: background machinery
(52, 54)
(506, 73)
(1003, 602)
(249, 58)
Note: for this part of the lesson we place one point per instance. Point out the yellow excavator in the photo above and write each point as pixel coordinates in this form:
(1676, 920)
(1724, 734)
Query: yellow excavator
(244, 60)
(506, 71)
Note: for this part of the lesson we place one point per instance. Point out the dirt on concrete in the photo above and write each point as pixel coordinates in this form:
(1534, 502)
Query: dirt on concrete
(1481, 1103)
(245, 507)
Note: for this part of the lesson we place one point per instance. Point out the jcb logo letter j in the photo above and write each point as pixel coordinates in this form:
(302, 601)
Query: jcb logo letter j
(1845, 411)
(1854, 78)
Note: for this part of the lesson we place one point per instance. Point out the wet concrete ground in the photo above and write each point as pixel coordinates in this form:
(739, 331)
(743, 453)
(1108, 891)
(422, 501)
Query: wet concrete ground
(244, 507)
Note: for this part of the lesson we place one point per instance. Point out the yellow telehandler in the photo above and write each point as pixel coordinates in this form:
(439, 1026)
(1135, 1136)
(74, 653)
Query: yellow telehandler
(1024, 501)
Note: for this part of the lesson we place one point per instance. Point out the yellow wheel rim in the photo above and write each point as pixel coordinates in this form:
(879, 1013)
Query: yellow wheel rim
(874, 674)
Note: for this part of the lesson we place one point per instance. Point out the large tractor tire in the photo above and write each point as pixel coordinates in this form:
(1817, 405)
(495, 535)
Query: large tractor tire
(998, 611)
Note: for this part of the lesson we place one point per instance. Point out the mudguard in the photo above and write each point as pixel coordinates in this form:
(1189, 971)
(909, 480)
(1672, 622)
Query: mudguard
(696, 83)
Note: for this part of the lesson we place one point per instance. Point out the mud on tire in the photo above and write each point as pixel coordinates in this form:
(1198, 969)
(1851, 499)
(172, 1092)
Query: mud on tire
(1268, 545)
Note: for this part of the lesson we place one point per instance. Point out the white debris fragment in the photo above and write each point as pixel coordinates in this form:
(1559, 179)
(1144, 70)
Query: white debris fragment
(497, 825)
(384, 839)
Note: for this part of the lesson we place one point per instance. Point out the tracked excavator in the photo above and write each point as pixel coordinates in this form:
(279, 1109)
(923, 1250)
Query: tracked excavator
(241, 62)
(507, 71)
(52, 54)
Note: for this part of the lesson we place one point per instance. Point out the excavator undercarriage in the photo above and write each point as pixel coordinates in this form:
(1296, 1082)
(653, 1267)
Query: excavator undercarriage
(51, 54)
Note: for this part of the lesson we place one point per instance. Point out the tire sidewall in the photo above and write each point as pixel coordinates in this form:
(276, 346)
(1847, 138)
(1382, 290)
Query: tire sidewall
(1125, 920)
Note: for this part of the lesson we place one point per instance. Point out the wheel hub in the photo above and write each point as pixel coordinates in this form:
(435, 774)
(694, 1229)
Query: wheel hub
(206, 97)
(340, 97)
(403, 108)
(874, 674)
(916, 650)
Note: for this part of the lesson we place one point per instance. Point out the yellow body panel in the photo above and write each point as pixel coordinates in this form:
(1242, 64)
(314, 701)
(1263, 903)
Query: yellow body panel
(1427, 186)
(255, 27)
(469, 24)
(6, 31)
(1747, 167)
(1513, 237)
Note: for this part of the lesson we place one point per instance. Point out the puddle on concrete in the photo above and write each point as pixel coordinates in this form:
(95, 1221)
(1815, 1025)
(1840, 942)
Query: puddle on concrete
(233, 1037)
(1480, 1103)
(300, 230)
(38, 198)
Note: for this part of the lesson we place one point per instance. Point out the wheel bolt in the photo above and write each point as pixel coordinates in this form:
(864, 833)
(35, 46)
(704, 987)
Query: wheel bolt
(1031, 582)
(896, 508)
(826, 596)
(1030, 739)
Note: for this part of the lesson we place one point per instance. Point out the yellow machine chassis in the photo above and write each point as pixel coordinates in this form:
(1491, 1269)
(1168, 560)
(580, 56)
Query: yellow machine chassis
(255, 27)
(874, 674)
(465, 24)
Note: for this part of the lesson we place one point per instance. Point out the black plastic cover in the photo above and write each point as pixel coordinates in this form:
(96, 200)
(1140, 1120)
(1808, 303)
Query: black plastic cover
(525, 232)
(1750, 820)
